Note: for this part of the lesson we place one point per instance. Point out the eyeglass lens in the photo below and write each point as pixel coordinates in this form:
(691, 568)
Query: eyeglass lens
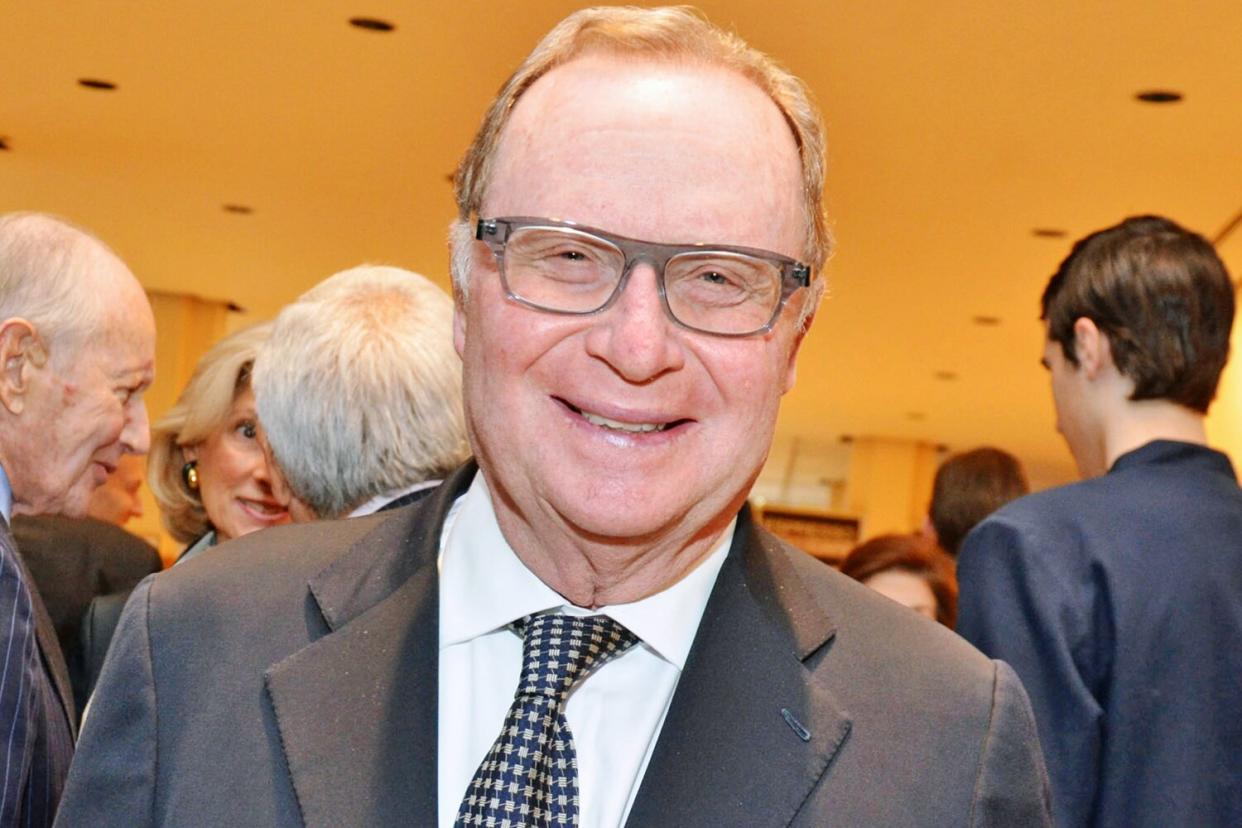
(564, 269)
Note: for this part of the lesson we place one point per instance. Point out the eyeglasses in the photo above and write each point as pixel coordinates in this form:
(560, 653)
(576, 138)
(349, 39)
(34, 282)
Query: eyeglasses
(562, 267)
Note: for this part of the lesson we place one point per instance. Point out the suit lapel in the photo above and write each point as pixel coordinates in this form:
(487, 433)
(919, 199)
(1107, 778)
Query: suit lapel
(748, 723)
(49, 646)
(357, 708)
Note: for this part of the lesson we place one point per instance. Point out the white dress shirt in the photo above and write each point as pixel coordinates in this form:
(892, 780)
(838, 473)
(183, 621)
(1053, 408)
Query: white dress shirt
(380, 501)
(615, 714)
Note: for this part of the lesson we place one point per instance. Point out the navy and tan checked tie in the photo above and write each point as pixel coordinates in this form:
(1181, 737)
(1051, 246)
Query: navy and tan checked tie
(529, 779)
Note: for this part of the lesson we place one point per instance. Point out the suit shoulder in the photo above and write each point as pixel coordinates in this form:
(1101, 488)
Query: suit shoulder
(263, 564)
(883, 633)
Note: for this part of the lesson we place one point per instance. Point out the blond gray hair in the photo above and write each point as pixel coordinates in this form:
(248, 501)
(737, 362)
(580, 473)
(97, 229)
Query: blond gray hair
(359, 388)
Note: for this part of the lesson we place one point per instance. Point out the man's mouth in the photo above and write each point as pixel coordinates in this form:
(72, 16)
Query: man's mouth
(615, 425)
(618, 425)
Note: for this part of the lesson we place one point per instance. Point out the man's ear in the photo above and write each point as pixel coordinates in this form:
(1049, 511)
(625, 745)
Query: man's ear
(791, 369)
(459, 324)
(21, 352)
(1092, 348)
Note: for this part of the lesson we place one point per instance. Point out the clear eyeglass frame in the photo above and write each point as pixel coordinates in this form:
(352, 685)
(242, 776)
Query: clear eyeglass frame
(495, 233)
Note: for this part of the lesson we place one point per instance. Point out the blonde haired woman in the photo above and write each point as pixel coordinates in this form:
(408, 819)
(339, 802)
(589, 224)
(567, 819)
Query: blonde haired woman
(206, 468)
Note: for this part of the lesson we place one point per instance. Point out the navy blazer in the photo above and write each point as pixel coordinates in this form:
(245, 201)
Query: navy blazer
(1118, 600)
(290, 678)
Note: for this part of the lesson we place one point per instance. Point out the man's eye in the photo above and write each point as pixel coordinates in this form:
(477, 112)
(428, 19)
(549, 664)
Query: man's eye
(247, 430)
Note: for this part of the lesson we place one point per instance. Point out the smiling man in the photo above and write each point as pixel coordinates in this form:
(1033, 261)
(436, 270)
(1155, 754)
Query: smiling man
(586, 628)
(77, 346)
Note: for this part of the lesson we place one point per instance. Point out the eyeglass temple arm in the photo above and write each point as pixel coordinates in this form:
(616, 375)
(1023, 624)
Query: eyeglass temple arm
(487, 227)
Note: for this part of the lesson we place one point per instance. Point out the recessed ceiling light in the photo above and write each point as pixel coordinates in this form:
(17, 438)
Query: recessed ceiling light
(986, 321)
(372, 24)
(96, 83)
(1049, 233)
(238, 209)
(1158, 96)
(945, 376)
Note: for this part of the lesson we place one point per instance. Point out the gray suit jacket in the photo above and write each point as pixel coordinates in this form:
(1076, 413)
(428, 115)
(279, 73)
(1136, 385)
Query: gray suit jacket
(290, 678)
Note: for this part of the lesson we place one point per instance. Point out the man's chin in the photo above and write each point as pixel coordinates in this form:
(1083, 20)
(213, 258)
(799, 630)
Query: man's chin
(77, 500)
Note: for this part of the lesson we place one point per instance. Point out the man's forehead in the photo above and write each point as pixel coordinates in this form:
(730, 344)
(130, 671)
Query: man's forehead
(686, 141)
(126, 344)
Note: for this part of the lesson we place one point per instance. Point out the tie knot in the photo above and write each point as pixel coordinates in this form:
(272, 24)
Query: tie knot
(559, 650)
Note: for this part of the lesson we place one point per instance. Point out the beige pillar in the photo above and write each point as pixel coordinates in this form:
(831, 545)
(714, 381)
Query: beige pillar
(185, 327)
(890, 483)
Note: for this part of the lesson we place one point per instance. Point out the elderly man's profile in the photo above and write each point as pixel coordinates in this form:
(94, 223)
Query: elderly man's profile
(77, 346)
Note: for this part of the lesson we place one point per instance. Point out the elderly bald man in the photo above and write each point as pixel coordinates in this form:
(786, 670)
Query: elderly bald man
(77, 346)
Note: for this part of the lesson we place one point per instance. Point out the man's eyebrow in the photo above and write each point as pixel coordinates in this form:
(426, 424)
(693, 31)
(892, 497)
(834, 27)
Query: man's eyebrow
(142, 374)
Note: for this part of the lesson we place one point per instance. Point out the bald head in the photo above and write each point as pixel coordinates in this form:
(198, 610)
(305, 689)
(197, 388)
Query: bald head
(62, 279)
(77, 349)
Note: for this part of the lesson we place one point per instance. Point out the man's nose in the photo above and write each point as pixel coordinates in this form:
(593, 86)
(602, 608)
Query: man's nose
(136, 435)
(635, 335)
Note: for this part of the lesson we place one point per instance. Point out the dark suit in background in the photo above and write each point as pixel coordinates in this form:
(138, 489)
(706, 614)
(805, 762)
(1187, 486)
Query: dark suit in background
(1118, 600)
(73, 561)
(291, 678)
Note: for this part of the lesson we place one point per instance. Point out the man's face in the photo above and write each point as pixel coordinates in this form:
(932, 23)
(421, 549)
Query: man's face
(85, 411)
(663, 153)
(1069, 396)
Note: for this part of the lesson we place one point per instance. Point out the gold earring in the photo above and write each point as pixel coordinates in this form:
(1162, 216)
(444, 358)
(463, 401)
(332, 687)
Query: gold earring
(189, 473)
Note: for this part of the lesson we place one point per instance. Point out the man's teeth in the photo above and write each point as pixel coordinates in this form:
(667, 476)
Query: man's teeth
(595, 419)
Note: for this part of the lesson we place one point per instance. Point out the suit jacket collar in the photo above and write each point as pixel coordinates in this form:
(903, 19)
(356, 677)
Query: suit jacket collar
(406, 499)
(749, 721)
(748, 688)
(1192, 457)
(375, 673)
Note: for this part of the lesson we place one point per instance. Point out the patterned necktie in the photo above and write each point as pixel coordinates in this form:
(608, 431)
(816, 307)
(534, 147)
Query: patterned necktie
(529, 778)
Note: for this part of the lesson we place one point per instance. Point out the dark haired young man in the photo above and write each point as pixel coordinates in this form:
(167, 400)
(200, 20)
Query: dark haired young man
(1118, 599)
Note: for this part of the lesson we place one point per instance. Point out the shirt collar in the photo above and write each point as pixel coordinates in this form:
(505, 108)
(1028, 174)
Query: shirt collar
(380, 501)
(6, 497)
(484, 586)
